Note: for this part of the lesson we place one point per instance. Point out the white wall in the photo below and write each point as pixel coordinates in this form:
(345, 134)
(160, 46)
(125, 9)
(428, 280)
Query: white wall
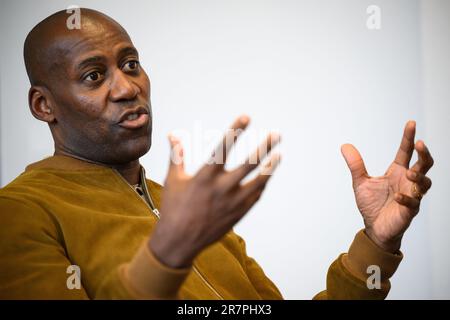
(435, 34)
(309, 69)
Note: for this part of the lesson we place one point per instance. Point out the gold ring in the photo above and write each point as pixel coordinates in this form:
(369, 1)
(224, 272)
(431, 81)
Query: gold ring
(415, 191)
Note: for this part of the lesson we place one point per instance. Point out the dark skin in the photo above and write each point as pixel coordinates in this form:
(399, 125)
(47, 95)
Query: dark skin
(84, 80)
(94, 78)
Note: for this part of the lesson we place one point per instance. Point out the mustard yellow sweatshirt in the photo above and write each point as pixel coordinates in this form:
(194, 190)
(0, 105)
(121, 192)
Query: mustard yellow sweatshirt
(62, 211)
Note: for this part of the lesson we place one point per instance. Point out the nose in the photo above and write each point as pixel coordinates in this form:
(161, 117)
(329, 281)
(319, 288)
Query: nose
(121, 88)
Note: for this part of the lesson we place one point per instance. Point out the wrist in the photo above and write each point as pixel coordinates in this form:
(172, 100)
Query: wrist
(388, 245)
(172, 253)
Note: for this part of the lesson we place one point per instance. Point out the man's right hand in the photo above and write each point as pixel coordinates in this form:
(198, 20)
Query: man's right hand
(198, 210)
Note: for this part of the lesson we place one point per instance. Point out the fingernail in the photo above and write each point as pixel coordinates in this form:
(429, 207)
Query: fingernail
(172, 138)
(244, 119)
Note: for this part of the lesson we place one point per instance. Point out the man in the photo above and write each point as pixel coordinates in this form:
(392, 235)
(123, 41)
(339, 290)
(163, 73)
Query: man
(91, 207)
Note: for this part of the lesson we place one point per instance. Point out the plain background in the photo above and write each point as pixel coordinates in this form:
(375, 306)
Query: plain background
(309, 69)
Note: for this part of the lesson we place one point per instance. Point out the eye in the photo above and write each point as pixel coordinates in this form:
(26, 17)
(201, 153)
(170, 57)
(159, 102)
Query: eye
(94, 76)
(131, 66)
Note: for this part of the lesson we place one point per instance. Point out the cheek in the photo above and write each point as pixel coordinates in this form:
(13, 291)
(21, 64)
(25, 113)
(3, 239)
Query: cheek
(86, 113)
(91, 106)
(95, 116)
(86, 107)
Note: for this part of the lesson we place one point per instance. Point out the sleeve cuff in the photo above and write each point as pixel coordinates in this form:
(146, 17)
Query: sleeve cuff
(147, 278)
(364, 252)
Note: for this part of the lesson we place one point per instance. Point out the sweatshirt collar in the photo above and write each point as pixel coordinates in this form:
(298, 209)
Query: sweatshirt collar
(65, 163)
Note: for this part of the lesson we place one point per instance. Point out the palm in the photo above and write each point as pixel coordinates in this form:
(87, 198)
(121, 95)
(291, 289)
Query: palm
(387, 203)
(375, 201)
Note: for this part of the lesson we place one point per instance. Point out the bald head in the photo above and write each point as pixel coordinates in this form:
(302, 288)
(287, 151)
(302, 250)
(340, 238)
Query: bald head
(88, 85)
(47, 44)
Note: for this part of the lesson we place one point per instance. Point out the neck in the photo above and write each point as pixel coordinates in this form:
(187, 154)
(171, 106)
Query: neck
(129, 171)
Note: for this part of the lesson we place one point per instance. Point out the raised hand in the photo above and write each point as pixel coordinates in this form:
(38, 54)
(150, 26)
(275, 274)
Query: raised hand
(198, 210)
(390, 202)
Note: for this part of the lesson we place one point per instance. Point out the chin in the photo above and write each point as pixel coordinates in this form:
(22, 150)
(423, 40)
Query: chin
(133, 149)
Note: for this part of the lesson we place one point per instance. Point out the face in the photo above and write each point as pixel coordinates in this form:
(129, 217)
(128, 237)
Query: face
(101, 95)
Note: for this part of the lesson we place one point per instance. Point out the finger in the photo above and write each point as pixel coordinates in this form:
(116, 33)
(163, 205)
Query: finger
(235, 176)
(422, 181)
(219, 156)
(425, 161)
(355, 163)
(259, 182)
(407, 201)
(269, 167)
(176, 155)
(243, 207)
(406, 149)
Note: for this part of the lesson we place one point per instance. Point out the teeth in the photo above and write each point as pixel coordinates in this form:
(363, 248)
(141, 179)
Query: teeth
(132, 116)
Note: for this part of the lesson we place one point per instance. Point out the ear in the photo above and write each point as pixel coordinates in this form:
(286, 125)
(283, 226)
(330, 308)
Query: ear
(40, 103)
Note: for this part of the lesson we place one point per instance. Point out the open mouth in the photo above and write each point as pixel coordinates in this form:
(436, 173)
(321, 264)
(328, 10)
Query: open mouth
(134, 118)
(134, 121)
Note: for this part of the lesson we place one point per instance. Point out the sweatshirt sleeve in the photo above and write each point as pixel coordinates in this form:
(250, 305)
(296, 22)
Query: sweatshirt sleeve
(34, 263)
(349, 275)
(145, 277)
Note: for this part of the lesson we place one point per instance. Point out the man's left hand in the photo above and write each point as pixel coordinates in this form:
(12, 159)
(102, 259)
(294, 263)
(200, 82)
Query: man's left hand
(390, 202)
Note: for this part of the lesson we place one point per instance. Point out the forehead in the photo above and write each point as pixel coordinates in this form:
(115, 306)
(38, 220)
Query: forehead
(95, 38)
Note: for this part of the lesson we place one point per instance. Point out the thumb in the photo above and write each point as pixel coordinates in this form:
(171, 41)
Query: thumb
(355, 163)
(176, 155)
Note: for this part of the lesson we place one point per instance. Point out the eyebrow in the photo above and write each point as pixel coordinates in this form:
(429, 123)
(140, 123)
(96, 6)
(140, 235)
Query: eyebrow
(96, 59)
(89, 61)
(127, 51)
